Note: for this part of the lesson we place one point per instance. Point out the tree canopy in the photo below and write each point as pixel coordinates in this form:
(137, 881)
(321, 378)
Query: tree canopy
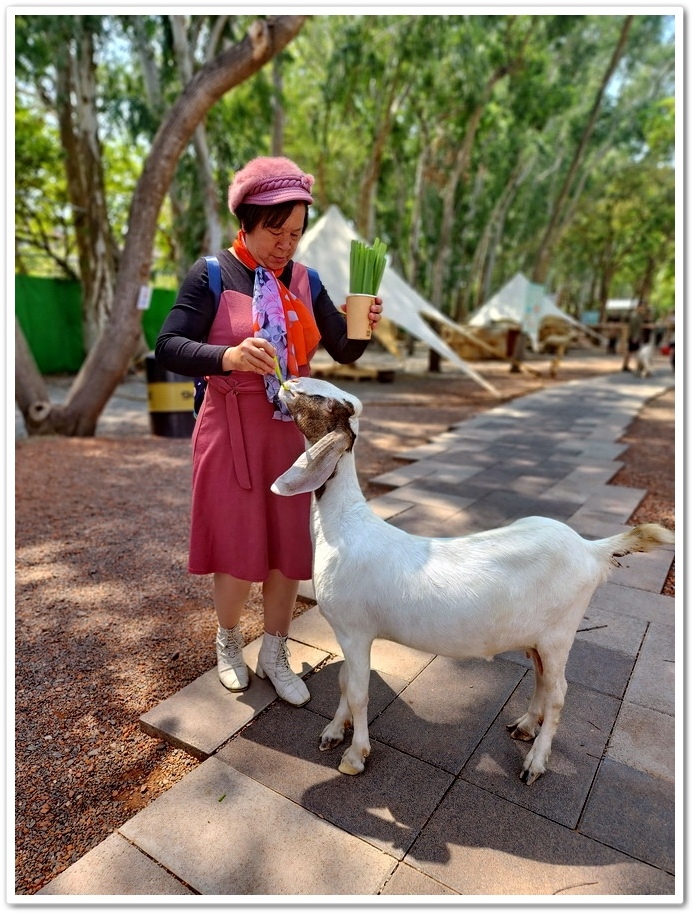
(474, 145)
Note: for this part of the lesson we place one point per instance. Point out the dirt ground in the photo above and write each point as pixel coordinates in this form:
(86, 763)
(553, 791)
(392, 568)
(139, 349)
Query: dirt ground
(108, 623)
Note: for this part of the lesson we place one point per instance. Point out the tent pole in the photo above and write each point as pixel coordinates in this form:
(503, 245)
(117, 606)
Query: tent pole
(486, 346)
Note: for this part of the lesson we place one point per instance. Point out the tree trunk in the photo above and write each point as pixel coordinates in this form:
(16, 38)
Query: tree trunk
(212, 238)
(462, 162)
(541, 265)
(31, 391)
(368, 182)
(278, 131)
(518, 177)
(108, 360)
(411, 267)
(77, 120)
(444, 251)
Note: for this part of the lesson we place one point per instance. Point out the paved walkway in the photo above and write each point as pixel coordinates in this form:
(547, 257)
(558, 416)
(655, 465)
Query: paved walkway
(439, 809)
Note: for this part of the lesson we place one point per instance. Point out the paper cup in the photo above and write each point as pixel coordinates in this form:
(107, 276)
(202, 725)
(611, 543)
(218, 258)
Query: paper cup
(357, 316)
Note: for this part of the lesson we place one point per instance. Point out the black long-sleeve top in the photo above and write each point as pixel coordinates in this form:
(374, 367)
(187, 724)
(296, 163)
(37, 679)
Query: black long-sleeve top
(179, 346)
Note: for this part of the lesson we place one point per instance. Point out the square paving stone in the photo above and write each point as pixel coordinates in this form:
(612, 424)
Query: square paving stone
(450, 476)
(592, 527)
(560, 793)
(325, 692)
(593, 664)
(481, 845)
(645, 740)
(560, 509)
(225, 834)
(604, 670)
(653, 680)
(497, 477)
(404, 475)
(425, 520)
(531, 485)
(634, 602)
(464, 455)
(621, 501)
(443, 714)
(644, 570)
(632, 812)
(407, 881)
(389, 506)
(115, 868)
(431, 495)
(313, 629)
(388, 657)
(203, 714)
(387, 805)
(612, 631)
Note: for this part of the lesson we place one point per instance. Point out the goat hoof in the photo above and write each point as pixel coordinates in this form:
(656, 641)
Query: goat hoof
(522, 729)
(518, 734)
(327, 742)
(348, 769)
(353, 762)
(528, 776)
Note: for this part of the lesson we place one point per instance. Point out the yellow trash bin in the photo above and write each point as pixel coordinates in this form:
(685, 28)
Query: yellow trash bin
(170, 401)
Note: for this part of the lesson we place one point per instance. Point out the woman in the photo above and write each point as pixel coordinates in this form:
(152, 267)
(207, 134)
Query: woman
(244, 438)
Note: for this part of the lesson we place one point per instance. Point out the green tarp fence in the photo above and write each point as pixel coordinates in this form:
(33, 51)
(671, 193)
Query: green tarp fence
(49, 312)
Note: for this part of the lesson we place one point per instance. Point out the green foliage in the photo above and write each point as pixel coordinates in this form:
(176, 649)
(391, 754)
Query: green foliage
(418, 79)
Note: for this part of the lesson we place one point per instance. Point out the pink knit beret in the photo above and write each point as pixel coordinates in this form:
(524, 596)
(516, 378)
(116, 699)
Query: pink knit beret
(269, 180)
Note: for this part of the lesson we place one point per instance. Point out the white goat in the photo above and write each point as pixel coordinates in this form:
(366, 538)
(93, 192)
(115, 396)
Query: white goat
(644, 358)
(525, 586)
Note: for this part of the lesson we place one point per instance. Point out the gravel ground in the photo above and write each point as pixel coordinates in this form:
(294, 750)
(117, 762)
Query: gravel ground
(108, 623)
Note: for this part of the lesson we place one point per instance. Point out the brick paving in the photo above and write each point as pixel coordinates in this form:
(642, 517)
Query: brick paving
(439, 809)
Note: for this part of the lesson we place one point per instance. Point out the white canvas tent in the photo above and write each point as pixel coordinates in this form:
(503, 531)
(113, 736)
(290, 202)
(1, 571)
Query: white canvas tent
(524, 304)
(326, 248)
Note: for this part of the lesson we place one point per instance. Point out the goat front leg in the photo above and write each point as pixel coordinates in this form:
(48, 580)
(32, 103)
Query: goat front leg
(334, 732)
(357, 692)
(354, 680)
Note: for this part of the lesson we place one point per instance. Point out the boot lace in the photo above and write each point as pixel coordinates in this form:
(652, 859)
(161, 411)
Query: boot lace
(283, 655)
(230, 641)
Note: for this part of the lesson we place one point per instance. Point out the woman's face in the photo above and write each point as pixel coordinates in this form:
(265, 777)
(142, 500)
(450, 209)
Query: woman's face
(273, 248)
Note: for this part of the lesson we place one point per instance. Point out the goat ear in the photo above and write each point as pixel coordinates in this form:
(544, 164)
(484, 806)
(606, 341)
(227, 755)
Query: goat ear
(313, 468)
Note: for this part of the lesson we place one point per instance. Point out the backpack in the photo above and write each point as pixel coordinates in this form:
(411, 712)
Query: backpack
(215, 286)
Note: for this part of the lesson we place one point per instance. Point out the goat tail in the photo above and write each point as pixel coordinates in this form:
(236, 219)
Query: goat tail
(640, 539)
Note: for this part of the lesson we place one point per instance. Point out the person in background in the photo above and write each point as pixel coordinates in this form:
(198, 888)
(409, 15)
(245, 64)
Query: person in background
(635, 336)
(244, 438)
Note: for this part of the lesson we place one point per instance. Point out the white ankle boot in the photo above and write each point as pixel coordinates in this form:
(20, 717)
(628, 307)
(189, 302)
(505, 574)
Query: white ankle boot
(273, 663)
(232, 669)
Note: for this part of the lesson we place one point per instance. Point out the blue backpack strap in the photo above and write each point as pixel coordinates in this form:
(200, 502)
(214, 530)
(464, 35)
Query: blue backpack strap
(314, 283)
(214, 279)
(215, 287)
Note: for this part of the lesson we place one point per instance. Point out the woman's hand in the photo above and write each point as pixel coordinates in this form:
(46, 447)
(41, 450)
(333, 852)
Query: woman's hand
(254, 354)
(375, 315)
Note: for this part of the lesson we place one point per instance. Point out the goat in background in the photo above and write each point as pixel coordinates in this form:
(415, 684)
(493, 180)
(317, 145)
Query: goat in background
(644, 358)
(524, 586)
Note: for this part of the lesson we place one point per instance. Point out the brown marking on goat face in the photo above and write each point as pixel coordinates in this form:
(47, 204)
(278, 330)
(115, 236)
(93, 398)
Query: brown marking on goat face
(316, 416)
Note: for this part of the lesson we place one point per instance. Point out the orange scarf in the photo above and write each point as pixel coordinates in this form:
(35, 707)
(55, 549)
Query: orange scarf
(302, 332)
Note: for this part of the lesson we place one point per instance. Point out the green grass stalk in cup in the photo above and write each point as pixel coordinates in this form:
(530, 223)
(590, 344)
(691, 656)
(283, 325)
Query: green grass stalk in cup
(367, 264)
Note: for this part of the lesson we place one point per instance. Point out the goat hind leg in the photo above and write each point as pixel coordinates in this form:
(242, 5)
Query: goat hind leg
(525, 728)
(536, 760)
